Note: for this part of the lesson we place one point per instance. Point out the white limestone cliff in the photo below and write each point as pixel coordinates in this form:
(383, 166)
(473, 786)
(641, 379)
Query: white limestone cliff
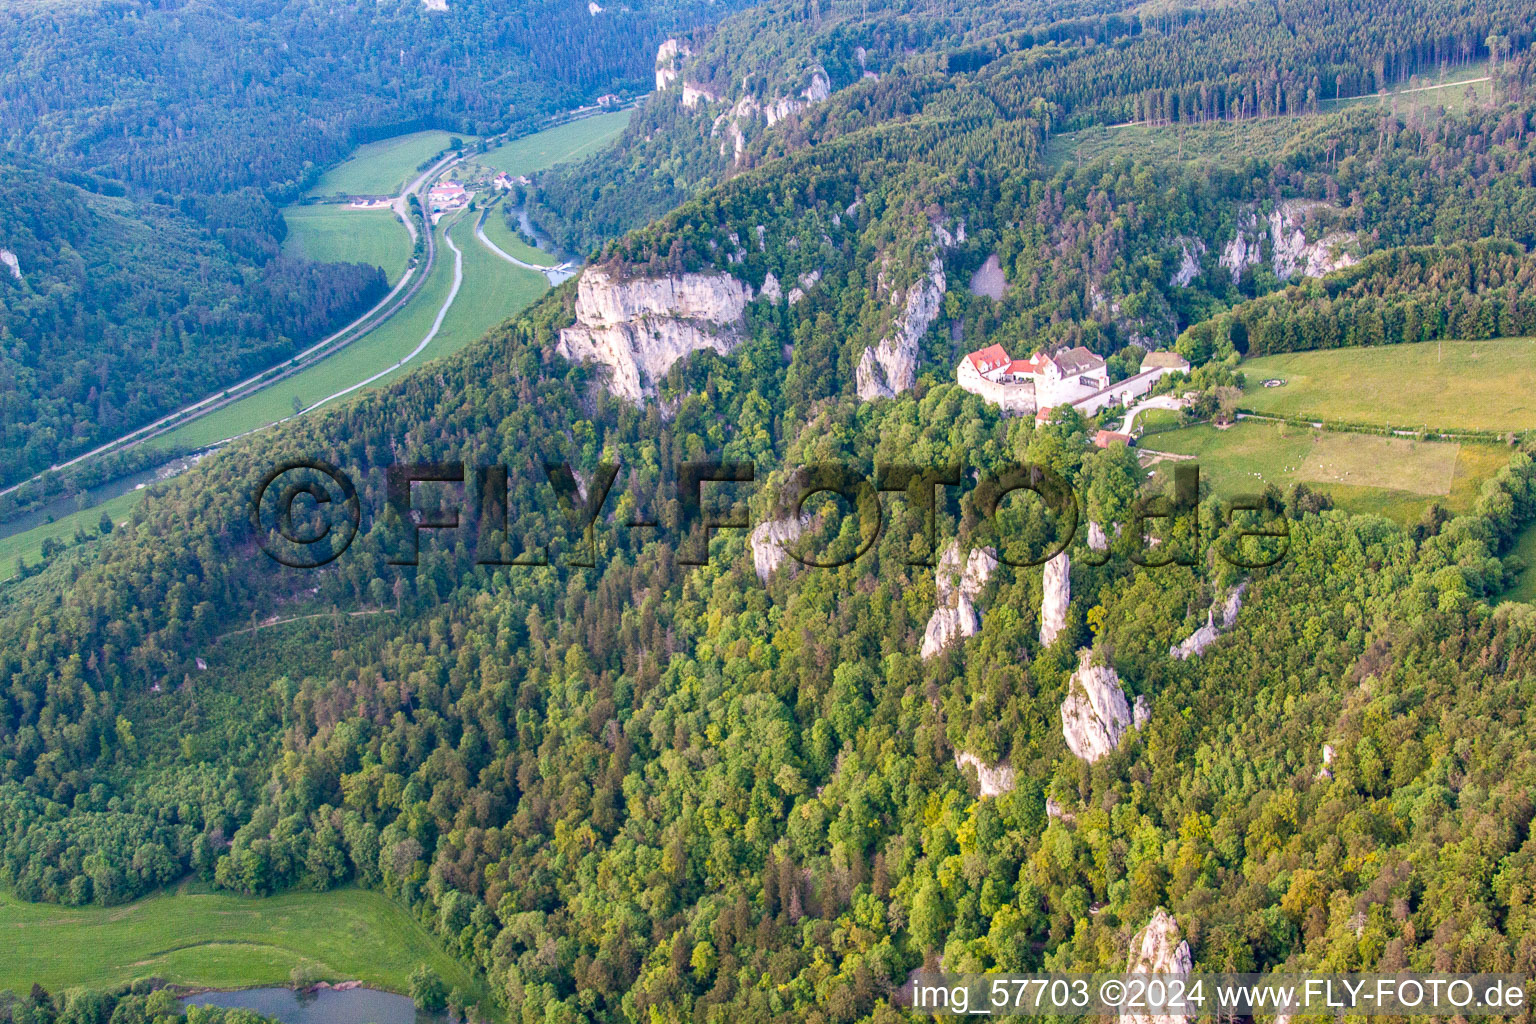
(1190, 251)
(807, 282)
(734, 125)
(694, 94)
(992, 781)
(1290, 252)
(890, 367)
(956, 587)
(770, 542)
(669, 62)
(1056, 596)
(1159, 948)
(1141, 711)
(1196, 643)
(641, 326)
(1095, 714)
(1097, 541)
(771, 289)
(9, 259)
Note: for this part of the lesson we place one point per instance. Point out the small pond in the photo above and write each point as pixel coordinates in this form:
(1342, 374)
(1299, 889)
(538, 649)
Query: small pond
(327, 1006)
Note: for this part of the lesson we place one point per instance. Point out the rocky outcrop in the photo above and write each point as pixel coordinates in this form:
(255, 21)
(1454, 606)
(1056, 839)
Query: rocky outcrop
(1095, 714)
(771, 290)
(1060, 813)
(669, 62)
(1290, 252)
(1324, 773)
(955, 614)
(1196, 643)
(770, 542)
(1056, 595)
(733, 125)
(1190, 251)
(992, 781)
(640, 327)
(989, 279)
(1097, 541)
(1141, 711)
(694, 94)
(9, 259)
(807, 282)
(1159, 948)
(890, 367)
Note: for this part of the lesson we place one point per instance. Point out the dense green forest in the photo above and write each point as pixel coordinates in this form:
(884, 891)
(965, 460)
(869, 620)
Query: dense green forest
(643, 789)
(1089, 66)
(120, 310)
(137, 1006)
(211, 96)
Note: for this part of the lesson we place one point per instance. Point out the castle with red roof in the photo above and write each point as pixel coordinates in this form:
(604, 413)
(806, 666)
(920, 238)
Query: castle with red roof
(1073, 376)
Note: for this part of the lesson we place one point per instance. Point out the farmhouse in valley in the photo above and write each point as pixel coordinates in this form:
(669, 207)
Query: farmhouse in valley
(1073, 376)
(446, 196)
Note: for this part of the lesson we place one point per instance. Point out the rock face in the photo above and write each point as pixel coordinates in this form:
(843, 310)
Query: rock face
(770, 542)
(1159, 948)
(669, 60)
(640, 327)
(1190, 251)
(733, 125)
(9, 259)
(1097, 541)
(989, 280)
(1196, 643)
(1290, 251)
(993, 781)
(1141, 711)
(891, 366)
(771, 289)
(956, 615)
(807, 282)
(693, 94)
(1057, 595)
(1095, 714)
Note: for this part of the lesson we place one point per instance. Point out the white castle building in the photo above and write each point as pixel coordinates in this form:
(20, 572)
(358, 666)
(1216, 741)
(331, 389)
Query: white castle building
(1073, 376)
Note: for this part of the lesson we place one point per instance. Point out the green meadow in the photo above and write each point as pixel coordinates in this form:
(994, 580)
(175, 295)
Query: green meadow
(569, 141)
(492, 290)
(196, 937)
(29, 545)
(1395, 477)
(1470, 385)
(383, 168)
(336, 233)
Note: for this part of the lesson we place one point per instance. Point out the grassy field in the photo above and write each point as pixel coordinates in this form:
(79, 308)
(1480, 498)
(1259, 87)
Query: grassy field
(200, 938)
(383, 168)
(496, 230)
(337, 234)
(492, 291)
(556, 145)
(1408, 386)
(1394, 477)
(1525, 588)
(29, 545)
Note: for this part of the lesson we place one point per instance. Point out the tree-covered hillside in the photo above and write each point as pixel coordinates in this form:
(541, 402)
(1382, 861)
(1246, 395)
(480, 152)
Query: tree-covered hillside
(1070, 66)
(629, 787)
(209, 95)
(118, 310)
